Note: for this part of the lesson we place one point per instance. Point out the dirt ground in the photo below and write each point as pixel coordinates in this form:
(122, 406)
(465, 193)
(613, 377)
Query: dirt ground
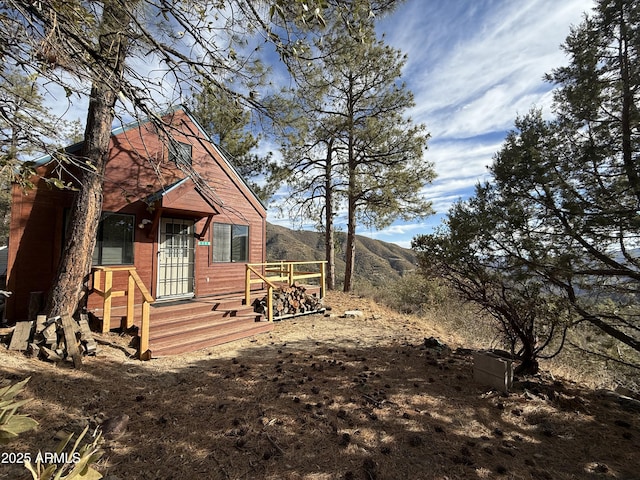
(324, 397)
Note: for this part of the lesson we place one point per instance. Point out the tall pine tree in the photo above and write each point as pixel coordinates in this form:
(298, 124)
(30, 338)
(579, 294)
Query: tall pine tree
(366, 154)
(229, 124)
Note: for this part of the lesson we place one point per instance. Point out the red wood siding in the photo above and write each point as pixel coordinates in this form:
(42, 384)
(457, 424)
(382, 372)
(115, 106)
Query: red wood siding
(138, 168)
(37, 217)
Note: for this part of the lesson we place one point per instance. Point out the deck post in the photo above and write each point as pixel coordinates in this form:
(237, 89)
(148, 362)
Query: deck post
(145, 354)
(106, 314)
(323, 272)
(97, 279)
(131, 294)
(290, 273)
(247, 285)
(270, 303)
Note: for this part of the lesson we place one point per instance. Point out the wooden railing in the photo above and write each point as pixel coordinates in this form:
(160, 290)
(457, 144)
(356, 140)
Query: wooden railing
(107, 293)
(273, 273)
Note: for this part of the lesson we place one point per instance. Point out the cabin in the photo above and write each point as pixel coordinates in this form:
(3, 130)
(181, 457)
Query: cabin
(181, 247)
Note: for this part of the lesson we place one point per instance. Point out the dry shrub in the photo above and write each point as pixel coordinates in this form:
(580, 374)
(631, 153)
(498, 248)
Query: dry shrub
(597, 360)
(439, 305)
(413, 293)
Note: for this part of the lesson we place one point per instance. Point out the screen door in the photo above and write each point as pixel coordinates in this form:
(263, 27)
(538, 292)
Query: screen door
(176, 258)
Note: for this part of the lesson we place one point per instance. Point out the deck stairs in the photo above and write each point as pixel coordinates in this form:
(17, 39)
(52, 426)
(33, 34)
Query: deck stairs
(189, 325)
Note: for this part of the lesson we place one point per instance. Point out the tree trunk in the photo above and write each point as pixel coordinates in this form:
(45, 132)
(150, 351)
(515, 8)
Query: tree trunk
(351, 193)
(351, 244)
(75, 263)
(627, 103)
(330, 252)
(329, 240)
(528, 366)
(528, 356)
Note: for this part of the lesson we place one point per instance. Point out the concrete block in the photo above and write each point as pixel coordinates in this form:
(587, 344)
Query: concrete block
(492, 370)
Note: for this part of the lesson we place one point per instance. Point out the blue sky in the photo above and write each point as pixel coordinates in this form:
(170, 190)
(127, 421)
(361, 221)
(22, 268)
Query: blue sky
(473, 66)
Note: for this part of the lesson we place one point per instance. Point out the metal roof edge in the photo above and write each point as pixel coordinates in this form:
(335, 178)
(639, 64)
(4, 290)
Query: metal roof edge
(224, 155)
(124, 127)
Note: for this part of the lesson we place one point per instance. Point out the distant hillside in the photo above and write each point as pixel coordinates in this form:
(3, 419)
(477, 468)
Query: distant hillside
(377, 262)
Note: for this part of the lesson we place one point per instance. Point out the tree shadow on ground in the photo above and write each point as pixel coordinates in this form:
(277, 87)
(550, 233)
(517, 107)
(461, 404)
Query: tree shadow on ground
(316, 410)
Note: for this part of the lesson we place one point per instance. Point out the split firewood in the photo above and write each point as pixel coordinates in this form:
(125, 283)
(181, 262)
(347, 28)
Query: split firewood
(71, 341)
(50, 334)
(6, 331)
(54, 338)
(21, 336)
(49, 354)
(86, 337)
(33, 350)
(41, 323)
(292, 300)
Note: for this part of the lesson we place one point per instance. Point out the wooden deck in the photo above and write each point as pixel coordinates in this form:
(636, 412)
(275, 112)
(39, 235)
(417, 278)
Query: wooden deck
(182, 326)
(187, 325)
(174, 327)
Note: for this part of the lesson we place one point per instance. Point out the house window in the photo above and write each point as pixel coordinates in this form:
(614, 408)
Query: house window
(180, 153)
(114, 243)
(230, 243)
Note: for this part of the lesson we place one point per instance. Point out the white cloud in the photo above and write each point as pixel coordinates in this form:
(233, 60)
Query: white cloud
(462, 158)
(475, 81)
(401, 229)
(473, 68)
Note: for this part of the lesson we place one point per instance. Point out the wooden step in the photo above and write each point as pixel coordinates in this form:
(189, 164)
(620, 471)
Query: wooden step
(187, 325)
(188, 307)
(215, 334)
(191, 325)
(158, 319)
(194, 323)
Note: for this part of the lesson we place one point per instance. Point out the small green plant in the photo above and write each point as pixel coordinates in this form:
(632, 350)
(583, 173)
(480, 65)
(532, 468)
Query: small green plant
(11, 423)
(58, 465)
(75, 464)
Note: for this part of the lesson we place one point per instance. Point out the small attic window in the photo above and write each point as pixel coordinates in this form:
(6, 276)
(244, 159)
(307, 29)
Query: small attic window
(180, 153)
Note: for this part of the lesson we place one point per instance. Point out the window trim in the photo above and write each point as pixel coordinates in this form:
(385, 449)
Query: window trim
(230, 253)
(100, 234)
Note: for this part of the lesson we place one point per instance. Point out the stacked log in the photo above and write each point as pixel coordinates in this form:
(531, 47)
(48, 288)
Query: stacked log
(54, 339)
(292, 300)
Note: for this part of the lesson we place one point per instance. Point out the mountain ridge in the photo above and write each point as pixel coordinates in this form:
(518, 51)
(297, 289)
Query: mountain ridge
(376, 262)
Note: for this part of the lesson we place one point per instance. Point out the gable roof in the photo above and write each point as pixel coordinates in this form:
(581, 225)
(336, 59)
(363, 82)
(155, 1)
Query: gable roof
(184, 195)
(223, 155)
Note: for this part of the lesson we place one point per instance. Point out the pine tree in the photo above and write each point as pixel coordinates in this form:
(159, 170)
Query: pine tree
(25, 125)
(229, 125)
(561, 210)
(359, 147)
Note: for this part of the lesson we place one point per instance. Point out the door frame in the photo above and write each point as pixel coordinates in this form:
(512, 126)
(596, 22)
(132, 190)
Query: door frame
(189, 264)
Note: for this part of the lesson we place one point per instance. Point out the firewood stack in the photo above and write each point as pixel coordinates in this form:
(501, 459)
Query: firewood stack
(54, 339)
(293, 300)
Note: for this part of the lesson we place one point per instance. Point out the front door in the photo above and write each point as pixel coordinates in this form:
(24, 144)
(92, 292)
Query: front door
(176, 243)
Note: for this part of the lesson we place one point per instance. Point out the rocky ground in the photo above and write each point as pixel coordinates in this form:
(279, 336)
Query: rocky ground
(323, 397)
